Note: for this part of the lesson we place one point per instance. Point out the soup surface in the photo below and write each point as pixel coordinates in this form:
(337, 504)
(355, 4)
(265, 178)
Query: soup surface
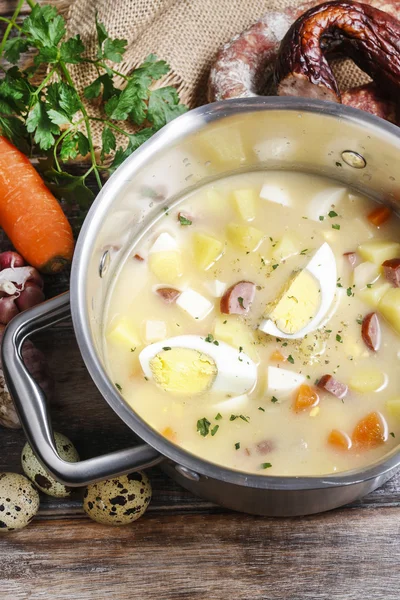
(255, 326)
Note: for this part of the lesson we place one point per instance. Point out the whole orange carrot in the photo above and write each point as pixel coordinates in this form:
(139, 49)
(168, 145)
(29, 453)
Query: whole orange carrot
(30, 214)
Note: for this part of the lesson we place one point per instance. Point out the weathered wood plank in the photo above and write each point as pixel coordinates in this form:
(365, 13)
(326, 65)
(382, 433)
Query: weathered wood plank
(202, 557)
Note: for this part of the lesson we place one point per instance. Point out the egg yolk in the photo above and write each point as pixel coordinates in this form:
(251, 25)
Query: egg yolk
(298, 304)
(183, 371)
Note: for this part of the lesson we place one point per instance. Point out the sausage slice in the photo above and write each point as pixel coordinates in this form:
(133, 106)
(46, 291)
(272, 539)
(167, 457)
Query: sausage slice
(238, 298)
(169, 295)
(333, 386)
(351, 258)
(391, 270)
(371, 331)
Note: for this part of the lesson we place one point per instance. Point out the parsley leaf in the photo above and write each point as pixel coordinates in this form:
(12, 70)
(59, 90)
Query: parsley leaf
(71, 50)
(290, 359)
(237, 445)
(214, 430)
(261, 408)
(119, 388)
(44, 26)
(184, 220)
(13, 49)
(114, 49)
(164, 106)
(332, 214)
(108, 141)
(273, 399)
(339, 338)
(218, 417)
(39, 123)
(266, 465)
(335, 226)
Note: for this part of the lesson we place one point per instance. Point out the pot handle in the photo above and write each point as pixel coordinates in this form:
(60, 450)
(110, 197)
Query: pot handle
(30, 403)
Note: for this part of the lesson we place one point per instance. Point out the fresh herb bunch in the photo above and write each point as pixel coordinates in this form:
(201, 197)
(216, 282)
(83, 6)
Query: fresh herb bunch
(53, 118)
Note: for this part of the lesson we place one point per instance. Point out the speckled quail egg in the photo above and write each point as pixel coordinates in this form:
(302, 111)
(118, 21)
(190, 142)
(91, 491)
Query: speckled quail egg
(118, 501)
(19, 501)
(39, 476)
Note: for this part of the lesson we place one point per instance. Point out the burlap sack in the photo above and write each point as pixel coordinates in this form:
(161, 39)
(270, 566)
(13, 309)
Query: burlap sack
(185, 33)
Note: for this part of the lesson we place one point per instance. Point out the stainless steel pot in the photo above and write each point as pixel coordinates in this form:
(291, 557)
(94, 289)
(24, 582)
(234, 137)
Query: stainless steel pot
(205, 144)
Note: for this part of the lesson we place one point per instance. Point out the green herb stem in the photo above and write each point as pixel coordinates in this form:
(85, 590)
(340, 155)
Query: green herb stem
(111, 125)
(10, 25)
(87, 125)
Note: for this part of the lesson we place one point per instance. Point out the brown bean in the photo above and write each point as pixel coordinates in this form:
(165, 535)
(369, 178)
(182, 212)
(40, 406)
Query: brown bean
(333, 386)
(391, 270)
(371, 331)
(169, 295)
(351, 257)
(238, 298)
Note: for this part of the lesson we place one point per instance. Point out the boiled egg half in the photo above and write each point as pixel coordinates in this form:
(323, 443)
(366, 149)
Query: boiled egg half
(188, 365)
(305, 301)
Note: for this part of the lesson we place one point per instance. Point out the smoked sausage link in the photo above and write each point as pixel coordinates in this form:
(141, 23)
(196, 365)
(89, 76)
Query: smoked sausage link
(333, 386)
(238, 298)
(371, 331)
(391, 270)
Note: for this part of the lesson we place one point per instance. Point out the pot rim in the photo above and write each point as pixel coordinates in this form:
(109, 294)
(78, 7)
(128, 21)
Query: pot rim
(179, 128)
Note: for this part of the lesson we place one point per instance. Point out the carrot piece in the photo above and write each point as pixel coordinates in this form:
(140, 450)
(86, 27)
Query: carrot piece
(169, 433)
(30, 214)
(379, 215)
(370, 432)
(277, 356)
(339, 440)
(306, 397)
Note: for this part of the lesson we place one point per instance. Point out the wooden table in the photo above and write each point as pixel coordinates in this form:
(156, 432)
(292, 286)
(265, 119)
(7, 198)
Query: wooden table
(184, 547)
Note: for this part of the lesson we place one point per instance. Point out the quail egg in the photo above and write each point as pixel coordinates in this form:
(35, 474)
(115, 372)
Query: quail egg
(118, 501)
(19, 501)
(39, 476)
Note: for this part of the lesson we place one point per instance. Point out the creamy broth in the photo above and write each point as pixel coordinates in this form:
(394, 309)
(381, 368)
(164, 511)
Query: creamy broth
(261, 431)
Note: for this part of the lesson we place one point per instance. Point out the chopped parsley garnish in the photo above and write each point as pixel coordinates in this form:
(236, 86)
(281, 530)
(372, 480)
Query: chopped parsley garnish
(284, 344)
(166, 209)
(225, 322)
(146, 378)
(266, 465)
(303, 252)
(216, 343)
(218, 417)
(360, 320)
(335, 226)
(392, 434)
(166, 348)
(244, 418)
(261, 408)
(275, 267)
(240, 300)
(237, 445)
(240, 348)
(214, 430)
(119, 388)
(321, 218)
(209, 338)
(332, 214)
(339, 338)
(293, 298)
(349, 291)
(338, 164)
(290, 359)
(369, 285)
(184, 220)
(234, 417)
(133, 349)
(273, 399)
(203, 426)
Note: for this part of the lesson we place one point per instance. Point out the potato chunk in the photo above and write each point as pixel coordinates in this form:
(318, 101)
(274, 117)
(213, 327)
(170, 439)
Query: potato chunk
(373, 295)
(367, 380)
(389, 307)
(206, 249)
(365, 273)
(166, 266)
(393, 407)
(234, 332)
(246, 203)
(243, 237)
(378, 251)
(123, 333)
(287, 246)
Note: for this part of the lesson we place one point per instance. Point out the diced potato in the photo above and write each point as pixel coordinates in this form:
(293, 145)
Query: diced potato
(354, 348)
(287, 246)
(364, 273)
(215, 202)
(378, 251)
(246, 203)
(222, 145)
(389, 307)
(361, 230)
(393, 408)
(155, 331)
(123, 333)
(367, 380)
(244, 237)
(332, 236)
(373, 295)
(206, 249)
(234, 332)
(166, 266)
